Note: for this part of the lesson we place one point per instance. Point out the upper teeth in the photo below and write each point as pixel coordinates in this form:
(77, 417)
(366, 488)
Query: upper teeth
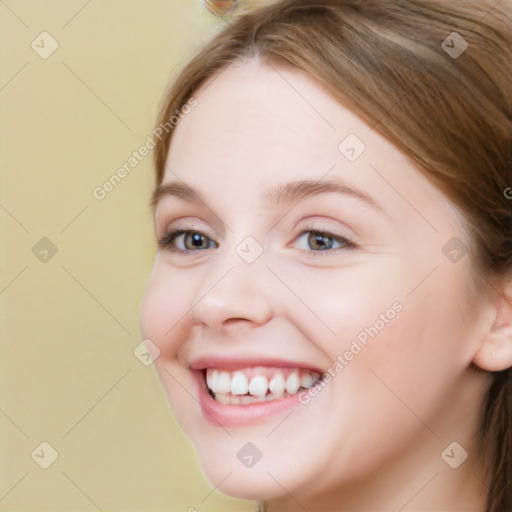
(259, 381)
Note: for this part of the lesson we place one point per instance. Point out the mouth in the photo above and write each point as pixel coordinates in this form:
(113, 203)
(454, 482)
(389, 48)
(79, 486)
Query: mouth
(241, 391)
(257, 384)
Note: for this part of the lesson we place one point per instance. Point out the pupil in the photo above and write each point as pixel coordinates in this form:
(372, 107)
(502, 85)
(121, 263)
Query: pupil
(319, 241)
(197, 240)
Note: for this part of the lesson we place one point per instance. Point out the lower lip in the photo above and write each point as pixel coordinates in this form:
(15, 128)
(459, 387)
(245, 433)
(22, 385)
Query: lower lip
(233, 415)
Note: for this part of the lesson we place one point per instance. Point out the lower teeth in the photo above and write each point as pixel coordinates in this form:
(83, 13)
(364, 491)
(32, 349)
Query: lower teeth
(229, 399)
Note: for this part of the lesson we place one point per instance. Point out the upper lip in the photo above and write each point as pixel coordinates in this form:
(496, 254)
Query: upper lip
(238, 362)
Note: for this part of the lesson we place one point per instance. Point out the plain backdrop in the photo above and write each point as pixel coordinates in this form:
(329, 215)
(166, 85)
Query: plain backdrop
(73, 268)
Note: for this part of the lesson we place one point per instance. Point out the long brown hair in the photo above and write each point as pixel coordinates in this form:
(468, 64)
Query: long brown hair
(434, 77)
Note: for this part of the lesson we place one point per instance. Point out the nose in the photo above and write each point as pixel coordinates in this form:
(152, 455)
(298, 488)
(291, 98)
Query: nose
(235, 296)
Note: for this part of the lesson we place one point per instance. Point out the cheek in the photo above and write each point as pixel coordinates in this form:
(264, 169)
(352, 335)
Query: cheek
(163, 319)
(420, 356)
(337, 306)
(391, 323)
(167, 300)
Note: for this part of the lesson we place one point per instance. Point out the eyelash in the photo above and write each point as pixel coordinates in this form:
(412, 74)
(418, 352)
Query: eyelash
(348, 244)
(169, 238)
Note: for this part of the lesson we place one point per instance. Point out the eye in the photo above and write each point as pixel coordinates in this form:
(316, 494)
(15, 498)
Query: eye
(322, 241)
(185, 240)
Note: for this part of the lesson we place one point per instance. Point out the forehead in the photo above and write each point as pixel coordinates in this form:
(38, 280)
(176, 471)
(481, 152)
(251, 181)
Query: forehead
(251, 114)
(256, 126)
(252, 117)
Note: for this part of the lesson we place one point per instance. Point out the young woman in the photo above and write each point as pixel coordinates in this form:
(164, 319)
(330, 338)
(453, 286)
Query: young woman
(332, 290)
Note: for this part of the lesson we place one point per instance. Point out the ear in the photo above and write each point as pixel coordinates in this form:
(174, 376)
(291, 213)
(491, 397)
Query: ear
(495, 351)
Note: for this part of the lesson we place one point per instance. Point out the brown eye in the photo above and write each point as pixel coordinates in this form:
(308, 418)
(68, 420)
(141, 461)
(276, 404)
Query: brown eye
(183, 240)
(194, 241)
(320, 241)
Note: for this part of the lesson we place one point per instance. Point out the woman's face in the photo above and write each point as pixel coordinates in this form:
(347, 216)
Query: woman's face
(312, 246)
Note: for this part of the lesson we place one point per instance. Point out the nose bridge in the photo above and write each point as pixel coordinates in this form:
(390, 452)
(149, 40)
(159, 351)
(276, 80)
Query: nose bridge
(235, 286)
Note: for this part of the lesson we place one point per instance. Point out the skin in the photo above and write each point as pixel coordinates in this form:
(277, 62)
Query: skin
(373, 438)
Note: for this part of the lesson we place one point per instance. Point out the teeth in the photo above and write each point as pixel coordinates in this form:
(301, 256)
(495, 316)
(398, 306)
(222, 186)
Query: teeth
(258, 384)
(236, 400)
(224, 383)
(223, 399)
(292, 383)
(307, 380)
(214, 379)
(239, 384)
(229, 399)
(277, 385)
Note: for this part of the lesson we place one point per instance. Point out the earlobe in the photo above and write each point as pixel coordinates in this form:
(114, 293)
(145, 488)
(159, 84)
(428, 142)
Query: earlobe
(495, 352)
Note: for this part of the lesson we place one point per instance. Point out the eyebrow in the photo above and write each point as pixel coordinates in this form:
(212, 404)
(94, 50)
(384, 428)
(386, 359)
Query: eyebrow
(283, 194)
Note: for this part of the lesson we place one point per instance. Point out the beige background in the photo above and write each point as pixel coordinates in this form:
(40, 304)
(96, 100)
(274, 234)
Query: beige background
(69, 325)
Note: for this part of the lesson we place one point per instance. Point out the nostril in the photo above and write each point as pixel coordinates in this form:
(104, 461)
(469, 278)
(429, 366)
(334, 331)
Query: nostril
(234, 321)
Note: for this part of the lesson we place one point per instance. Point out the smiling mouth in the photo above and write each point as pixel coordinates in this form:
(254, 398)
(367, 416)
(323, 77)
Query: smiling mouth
(257, 384)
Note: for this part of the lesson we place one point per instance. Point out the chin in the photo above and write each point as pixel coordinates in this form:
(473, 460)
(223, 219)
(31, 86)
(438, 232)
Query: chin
(247, 484)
